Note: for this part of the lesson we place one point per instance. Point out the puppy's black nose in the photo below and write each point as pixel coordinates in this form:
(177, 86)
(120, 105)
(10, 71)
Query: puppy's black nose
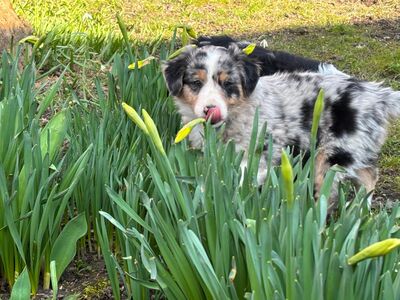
(207, 108)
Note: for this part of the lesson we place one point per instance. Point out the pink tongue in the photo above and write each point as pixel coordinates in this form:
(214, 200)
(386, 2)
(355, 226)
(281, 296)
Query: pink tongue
(215, 115)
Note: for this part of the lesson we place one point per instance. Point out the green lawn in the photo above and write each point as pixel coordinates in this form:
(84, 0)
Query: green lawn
(149, 19)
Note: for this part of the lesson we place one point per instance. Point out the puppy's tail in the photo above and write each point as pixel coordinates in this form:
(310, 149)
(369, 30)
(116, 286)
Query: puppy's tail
(393, 105)
(329, 69)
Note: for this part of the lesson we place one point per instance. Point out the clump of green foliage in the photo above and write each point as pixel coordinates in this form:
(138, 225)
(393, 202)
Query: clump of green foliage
(35, 183)
(186, 228)
(199, 234)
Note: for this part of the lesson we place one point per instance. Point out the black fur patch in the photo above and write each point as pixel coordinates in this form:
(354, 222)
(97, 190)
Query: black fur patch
(250, 79)
(318, 137)
(200, 55)
(283, 61)
(295, 77)
(344, 117)
(340, 157)
(327, 102)
(199, 66)
(295, 145)
(355, 85)
(307, 110)
(306, 156)
(295, 150)
(221, 41)
(174, 71)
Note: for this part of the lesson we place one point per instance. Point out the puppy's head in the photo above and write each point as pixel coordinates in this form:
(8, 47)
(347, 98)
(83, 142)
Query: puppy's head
(208, 81)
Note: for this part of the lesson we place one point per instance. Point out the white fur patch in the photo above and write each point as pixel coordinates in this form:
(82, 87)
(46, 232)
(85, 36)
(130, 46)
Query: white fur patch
(329, 69)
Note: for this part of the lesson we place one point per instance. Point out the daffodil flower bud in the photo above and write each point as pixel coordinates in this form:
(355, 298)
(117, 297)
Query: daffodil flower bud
(141, 63)
(318, 108)
(29, 39)
(134, 116)
(249, 49)
(251, 224)
(191, 32)
(153, 132)
(186, 129)
(287, 175)
(377, 249)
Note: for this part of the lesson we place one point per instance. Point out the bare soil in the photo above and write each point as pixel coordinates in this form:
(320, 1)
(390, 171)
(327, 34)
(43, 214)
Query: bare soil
(85, 278)
(12, 28)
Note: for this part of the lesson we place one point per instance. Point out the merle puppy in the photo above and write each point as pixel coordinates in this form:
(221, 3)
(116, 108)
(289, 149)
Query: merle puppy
(271, 61)
(223, 85)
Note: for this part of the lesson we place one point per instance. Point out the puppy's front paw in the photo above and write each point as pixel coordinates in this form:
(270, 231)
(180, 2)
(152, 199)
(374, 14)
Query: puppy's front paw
(261, 176)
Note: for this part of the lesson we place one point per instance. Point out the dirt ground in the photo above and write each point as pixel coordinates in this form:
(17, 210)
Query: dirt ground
(85, 278)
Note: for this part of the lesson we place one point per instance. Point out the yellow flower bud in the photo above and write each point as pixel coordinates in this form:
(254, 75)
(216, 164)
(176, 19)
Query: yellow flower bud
(141, 63)
(31, 39)
(249, 49)
(318, 108)
(377, 249)
(153, 132)
(185, 38)
(133, 115)
(233, 272)
(251, 224)
(191, 32)
(287, 175)
(186, 129)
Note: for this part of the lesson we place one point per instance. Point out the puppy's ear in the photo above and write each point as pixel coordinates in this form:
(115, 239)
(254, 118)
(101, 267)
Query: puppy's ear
(173, 71)
(250, 69)
(251, 76)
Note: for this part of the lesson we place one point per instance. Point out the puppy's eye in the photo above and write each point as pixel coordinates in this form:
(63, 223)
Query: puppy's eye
(195, 84)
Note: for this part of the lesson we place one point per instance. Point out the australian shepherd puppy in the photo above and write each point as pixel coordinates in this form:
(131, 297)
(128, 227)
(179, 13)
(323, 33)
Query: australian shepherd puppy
(224, 86)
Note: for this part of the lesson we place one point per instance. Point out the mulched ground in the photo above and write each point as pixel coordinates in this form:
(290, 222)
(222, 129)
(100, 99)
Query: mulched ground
(85, 278)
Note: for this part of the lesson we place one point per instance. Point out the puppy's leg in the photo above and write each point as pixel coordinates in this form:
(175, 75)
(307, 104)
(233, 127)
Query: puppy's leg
(368, 177)
(321, 168)
(243, 166)
(261, 174)
(263, 165)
